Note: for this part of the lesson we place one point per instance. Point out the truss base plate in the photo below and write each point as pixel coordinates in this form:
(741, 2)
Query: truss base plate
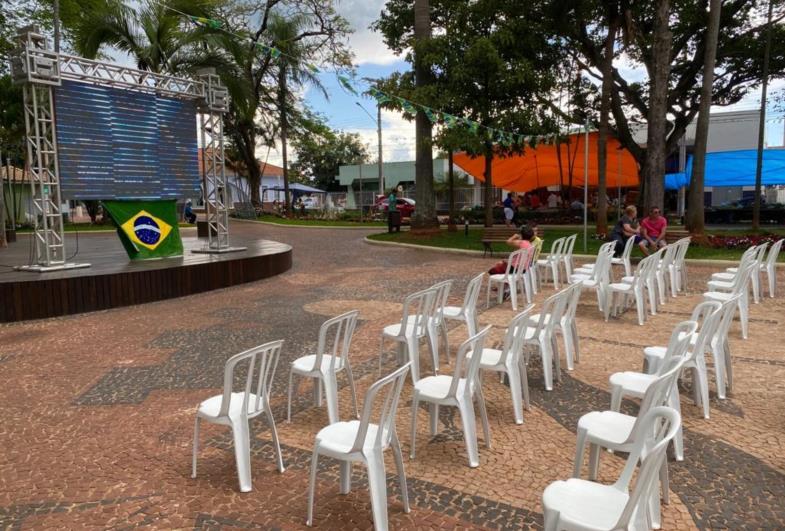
(218, 250)
(51, 268)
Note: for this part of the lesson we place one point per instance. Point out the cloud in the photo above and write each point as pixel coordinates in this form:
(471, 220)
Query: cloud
(367, 45)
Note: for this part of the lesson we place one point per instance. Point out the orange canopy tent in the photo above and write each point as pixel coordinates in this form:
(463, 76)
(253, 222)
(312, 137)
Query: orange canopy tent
(539, 167)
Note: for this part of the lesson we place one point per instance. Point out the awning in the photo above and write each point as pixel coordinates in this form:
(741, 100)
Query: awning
(539, 167)
(735, 168)
(296, 187)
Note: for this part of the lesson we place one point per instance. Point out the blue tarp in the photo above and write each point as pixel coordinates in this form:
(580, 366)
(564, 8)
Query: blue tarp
(734, 168)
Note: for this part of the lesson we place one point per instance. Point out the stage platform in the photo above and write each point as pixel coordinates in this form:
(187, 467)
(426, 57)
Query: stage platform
(113, 280)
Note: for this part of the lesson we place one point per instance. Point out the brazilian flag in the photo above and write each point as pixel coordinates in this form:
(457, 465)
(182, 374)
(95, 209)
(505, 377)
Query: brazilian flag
(148, 229)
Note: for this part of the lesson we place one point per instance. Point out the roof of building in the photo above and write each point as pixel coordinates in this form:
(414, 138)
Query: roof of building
(267, 169)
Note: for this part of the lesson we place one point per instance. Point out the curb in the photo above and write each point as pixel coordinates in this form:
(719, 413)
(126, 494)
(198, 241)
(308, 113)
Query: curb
(469, 252)
(321, 227)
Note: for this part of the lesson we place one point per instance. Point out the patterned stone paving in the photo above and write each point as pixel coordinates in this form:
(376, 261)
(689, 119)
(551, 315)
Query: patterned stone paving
(98, 408)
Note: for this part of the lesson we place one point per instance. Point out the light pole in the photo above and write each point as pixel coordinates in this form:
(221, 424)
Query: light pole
(378, 122)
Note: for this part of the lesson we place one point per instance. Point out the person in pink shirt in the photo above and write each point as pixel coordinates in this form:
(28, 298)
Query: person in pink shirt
(516, 241)
(653, 229)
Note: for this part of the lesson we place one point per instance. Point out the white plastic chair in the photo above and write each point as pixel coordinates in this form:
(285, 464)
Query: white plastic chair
(722, 281)
(739, 286)
(528, 275)
(458, 391)
(417, 310)
(567, 325)
(770, 266)
(588, 268)
(531, 269)
(720, 348)
(566, 257)
(550, 264)
(516, 263)
(624, 259)
(543, 334)
(577, 504)
(468, 311)
(365, 441)
(635, 384)
(617, 431)
(599, 277)
(508, 361)
(618, 292)
(235, 409)
(436, 325)
(332, 357)
(664, 272)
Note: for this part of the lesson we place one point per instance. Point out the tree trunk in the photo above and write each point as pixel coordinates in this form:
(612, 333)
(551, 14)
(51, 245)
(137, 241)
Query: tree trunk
(451, 180)
(653, 171)
(602, 136)
(695, 222)
(488, 184)
(762, 124)
(282, 107)
(425, 211)
(3, 243)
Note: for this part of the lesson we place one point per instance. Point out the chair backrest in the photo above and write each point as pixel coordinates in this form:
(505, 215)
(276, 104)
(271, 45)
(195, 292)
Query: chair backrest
(335, 339)
(417, 309)
(516, 331)
(472, 294)
(514, 260)
(388, 389)
(682, 246)
(742, 279)
(442, 293)
(728, 312)
(645, 268)
(552, 310)
(668, 256)
(557, 248)
(569, 245)
(708, 315)
(658, 428)
(760, 252)
(771, 259)
(469, 370)
(261, 362)
(627, 252)
(659, 390)
(676, 347)
(748, 255)
(573, 299)
(602, 267)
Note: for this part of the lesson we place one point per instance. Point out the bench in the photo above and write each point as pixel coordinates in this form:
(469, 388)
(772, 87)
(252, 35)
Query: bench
(672, 235)
(491, 235)
(244, 210)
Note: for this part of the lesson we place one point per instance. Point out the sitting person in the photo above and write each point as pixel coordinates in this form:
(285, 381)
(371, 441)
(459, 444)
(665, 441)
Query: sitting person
(653, 229)
(627, 227)
(188, 213)
(516, 241)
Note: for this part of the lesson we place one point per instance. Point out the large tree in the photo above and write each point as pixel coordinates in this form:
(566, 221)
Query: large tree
(668, 41)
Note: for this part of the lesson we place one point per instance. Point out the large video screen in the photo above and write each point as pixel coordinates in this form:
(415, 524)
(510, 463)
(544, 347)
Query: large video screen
(122, 144)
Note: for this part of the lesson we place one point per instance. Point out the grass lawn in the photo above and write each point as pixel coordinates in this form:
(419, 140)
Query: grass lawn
(320, 222)
(457, 240)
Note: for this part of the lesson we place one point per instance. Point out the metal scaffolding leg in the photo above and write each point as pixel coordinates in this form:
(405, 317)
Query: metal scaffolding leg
(212, 133)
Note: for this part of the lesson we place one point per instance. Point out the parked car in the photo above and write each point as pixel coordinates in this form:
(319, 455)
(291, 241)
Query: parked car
(404, 205)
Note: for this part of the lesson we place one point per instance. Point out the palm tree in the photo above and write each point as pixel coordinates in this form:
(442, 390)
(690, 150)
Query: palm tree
(152, 34)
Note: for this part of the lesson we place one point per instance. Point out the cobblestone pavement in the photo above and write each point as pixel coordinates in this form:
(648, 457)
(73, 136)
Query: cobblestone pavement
(98, 408)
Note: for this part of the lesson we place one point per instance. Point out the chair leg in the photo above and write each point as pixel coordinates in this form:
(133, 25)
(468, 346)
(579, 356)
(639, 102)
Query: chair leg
(488, 295)
(317, 392)
(515, 390)
(433, 420)
(728, 366)
(547, 365)
(486, 428)
(196, 447)
(556, 357)
(606, 310)
(524, 379)
(381, 354)
(331, 395)
(445, 339)
(678, 442)
(594, 461)
(617, 394)
(350, 377)
(744, 315)
(396, 448)
(433, 346)
(415, 404)
(514, 295)
(639, 304)
(345, 474)
(580, 448)
(413, 347)
(700, 379)
(274, 433)
(469, 431)
(289, 398)
(719, 369)
(576, 342)
(771, 273)
(242, 454)
(312, 484)
(377, 485)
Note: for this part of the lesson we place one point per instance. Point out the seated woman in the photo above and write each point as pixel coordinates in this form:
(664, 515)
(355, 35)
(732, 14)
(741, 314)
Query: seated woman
(627, 227)
(516, 241)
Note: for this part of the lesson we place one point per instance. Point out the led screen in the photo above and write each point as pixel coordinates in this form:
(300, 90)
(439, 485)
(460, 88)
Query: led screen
(122, 144)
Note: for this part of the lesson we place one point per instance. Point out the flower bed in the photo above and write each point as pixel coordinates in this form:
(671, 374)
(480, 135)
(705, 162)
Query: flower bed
(740, 242)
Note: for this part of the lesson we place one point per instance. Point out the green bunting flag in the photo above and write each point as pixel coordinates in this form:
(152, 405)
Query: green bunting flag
(407, 106)
(272, 51)
(474, 127)
(206, 22)
(347, 84)
(313, 68)
(432, 116)
(450, 120)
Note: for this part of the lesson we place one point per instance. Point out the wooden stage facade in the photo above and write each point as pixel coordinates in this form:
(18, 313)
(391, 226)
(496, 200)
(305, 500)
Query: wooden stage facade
(113, 280)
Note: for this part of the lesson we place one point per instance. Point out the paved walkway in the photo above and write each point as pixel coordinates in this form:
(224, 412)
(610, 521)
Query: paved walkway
(98, 409)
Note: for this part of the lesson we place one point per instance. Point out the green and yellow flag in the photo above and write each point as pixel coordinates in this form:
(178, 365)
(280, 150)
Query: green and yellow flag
(148, 229)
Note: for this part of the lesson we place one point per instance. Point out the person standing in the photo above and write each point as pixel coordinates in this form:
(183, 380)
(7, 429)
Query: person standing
(653, 228)
(393, 216)
(509, 213)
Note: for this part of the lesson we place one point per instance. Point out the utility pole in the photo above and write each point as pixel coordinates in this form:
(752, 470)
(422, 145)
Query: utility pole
(379, 133)
(762, 124)
(361, 191)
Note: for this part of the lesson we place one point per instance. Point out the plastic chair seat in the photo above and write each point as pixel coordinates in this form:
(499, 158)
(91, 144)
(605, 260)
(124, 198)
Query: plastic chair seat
(394, 330)
(720, 296)
(438, 387)
(453, 312)
(305, 364)
(634, 383)
(620, 286)
(338, 438)
(585, 504)
(499, 277)
(490, 357)
(613, 428)
(720, 285)
(725, 277)
(211, 407)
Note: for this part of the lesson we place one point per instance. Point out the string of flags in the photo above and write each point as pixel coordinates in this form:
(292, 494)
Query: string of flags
(436, 116)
